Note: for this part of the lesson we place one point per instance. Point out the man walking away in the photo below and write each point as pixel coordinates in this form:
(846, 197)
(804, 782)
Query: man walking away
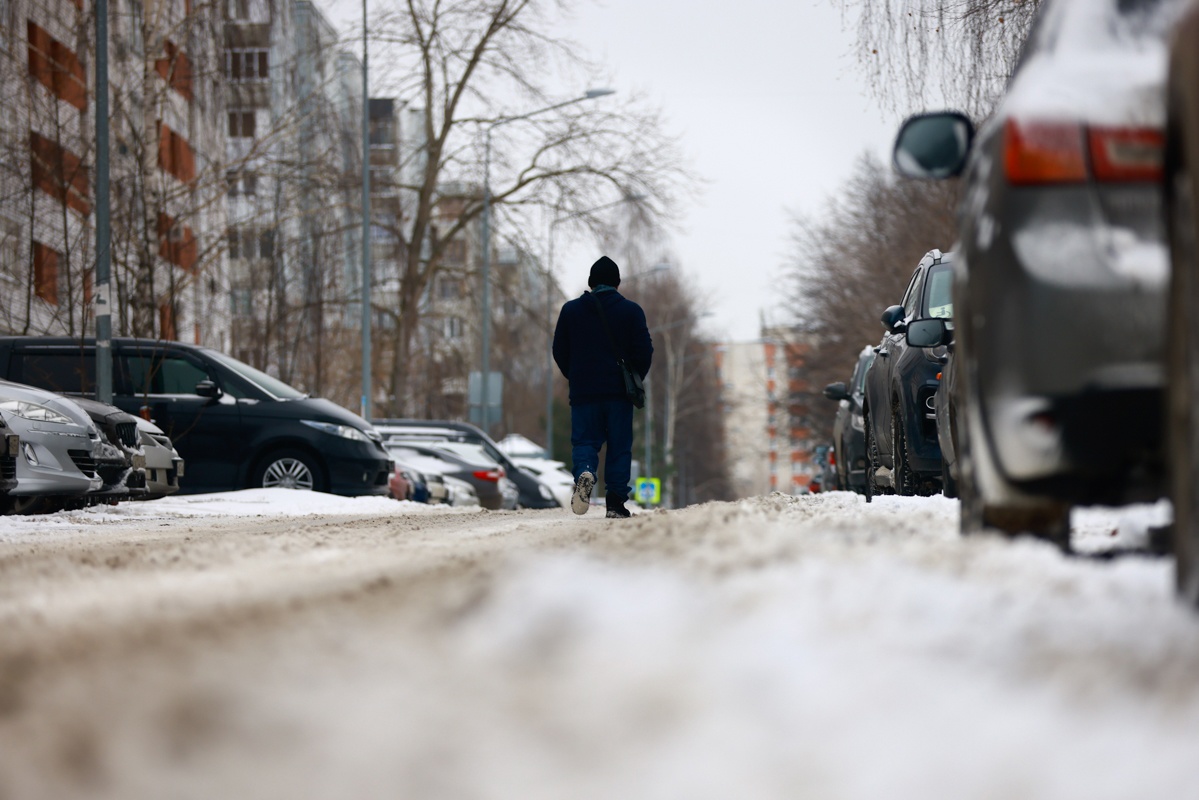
(600, 410)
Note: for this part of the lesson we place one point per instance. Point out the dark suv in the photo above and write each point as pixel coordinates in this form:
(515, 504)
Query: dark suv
(236, 427)
(901, 427)
(849, 436)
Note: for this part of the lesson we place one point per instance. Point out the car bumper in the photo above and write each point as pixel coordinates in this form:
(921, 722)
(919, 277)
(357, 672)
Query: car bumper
(353, 476)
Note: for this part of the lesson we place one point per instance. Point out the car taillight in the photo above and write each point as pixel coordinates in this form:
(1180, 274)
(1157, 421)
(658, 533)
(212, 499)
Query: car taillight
(1043, 152)
(1127, 154)
(489, 474)
(832, 458)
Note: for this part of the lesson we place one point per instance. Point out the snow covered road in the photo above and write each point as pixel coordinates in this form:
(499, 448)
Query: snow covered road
(275, 644)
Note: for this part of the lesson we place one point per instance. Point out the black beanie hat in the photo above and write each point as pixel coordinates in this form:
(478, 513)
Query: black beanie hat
(604, 272)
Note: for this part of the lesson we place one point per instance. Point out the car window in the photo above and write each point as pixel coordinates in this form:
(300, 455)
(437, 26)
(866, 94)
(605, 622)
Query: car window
(62, 371)
(911, 297)
(939, 292)
(155, 374)
(859, 378)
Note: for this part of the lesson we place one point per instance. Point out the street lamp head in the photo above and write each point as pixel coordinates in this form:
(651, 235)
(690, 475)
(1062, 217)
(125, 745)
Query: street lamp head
(594, 93)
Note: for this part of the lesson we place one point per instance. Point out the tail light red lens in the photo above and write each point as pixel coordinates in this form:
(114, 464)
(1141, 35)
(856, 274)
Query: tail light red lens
(1127, 154)
(489, 474)
(1043, 152)
(832, 458)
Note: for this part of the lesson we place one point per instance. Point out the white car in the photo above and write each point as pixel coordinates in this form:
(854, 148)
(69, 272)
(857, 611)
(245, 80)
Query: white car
(553, 475)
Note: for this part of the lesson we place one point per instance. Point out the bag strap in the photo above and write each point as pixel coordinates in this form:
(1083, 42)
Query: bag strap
(608, 330)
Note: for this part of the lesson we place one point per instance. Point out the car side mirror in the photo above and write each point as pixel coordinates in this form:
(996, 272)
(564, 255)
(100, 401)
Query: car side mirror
(933, 145)
(928, 333)
(208, 389)
(836, 391)
(892, 319)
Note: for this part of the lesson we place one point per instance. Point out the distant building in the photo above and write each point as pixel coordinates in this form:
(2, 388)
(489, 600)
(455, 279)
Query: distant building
(761, 382)
(166, 136)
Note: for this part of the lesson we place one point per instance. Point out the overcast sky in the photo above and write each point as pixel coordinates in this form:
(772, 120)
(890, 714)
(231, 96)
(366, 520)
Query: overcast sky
(771, 108)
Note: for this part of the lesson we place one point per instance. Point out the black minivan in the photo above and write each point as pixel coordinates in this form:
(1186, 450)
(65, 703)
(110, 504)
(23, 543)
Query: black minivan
(235, 426)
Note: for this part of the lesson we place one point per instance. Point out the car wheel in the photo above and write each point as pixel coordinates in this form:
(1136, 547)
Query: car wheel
(289, 469)
(871, 458)
(33, 504)
(1183, 343)
(949, 486)
(903, 479)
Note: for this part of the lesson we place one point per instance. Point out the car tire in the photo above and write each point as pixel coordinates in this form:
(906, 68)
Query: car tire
(33, 504)
(871, 458)
(903, 478)
(289, 468)
(1183, 363)
(949, 486)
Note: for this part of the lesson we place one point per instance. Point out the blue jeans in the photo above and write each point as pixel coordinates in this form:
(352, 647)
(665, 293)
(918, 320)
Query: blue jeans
(592, 424)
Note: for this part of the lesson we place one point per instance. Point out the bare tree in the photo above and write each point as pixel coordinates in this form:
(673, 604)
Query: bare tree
(960, 52)
(454, 59)
(848, 266)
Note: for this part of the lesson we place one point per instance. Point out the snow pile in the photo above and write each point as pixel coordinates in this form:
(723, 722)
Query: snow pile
(244, 503)
(820, 647)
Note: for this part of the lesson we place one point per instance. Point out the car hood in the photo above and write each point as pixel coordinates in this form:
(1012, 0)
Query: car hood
(69, 408)
(317, 409)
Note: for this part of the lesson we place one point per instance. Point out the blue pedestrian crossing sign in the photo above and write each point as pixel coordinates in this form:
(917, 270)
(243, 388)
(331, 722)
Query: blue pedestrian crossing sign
(649, 491)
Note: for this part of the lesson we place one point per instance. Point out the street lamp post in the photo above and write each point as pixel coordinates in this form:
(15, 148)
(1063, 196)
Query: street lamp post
(549, 313)
(484, 377)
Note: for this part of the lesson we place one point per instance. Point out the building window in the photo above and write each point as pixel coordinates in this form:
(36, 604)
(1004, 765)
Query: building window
(239, 9)
(175, 155)
(241, 124)
(45, 273)
(176, 243)
(175, 69)
(59, 173)
(455, 253)
(248, 243)
(247, 66)
(449, 288)
(57, 67)
(243, 183)
(241, 303)
(452, 327)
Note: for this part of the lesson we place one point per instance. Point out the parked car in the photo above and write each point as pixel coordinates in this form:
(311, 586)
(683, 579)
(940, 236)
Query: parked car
(1182, 219)
(552, 474)
(486, 470)
(120, 461)
(1061, 272)
(938, 333)
(425, 473)
(849, 427)
(461, 492)
(10, 448)
(236, 426)
(58, 443)
(164, 465)
(901, 430)
(479, 471)
(532, 493)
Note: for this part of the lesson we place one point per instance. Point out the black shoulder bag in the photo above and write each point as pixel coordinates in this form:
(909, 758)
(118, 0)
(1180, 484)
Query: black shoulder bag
(634, 386)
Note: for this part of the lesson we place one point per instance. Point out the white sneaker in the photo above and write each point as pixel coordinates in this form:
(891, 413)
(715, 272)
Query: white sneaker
(580, 501)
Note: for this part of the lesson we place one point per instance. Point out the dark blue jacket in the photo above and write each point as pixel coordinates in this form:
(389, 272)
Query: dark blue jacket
(584, 353)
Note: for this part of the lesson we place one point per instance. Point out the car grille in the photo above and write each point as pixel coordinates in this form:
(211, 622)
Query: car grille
(8, 467)
(382, 478)
(127, 434)
(84, 461)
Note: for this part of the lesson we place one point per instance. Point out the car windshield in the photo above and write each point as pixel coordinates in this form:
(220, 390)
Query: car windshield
(859, 385)
(272, 386)
(938, 297)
